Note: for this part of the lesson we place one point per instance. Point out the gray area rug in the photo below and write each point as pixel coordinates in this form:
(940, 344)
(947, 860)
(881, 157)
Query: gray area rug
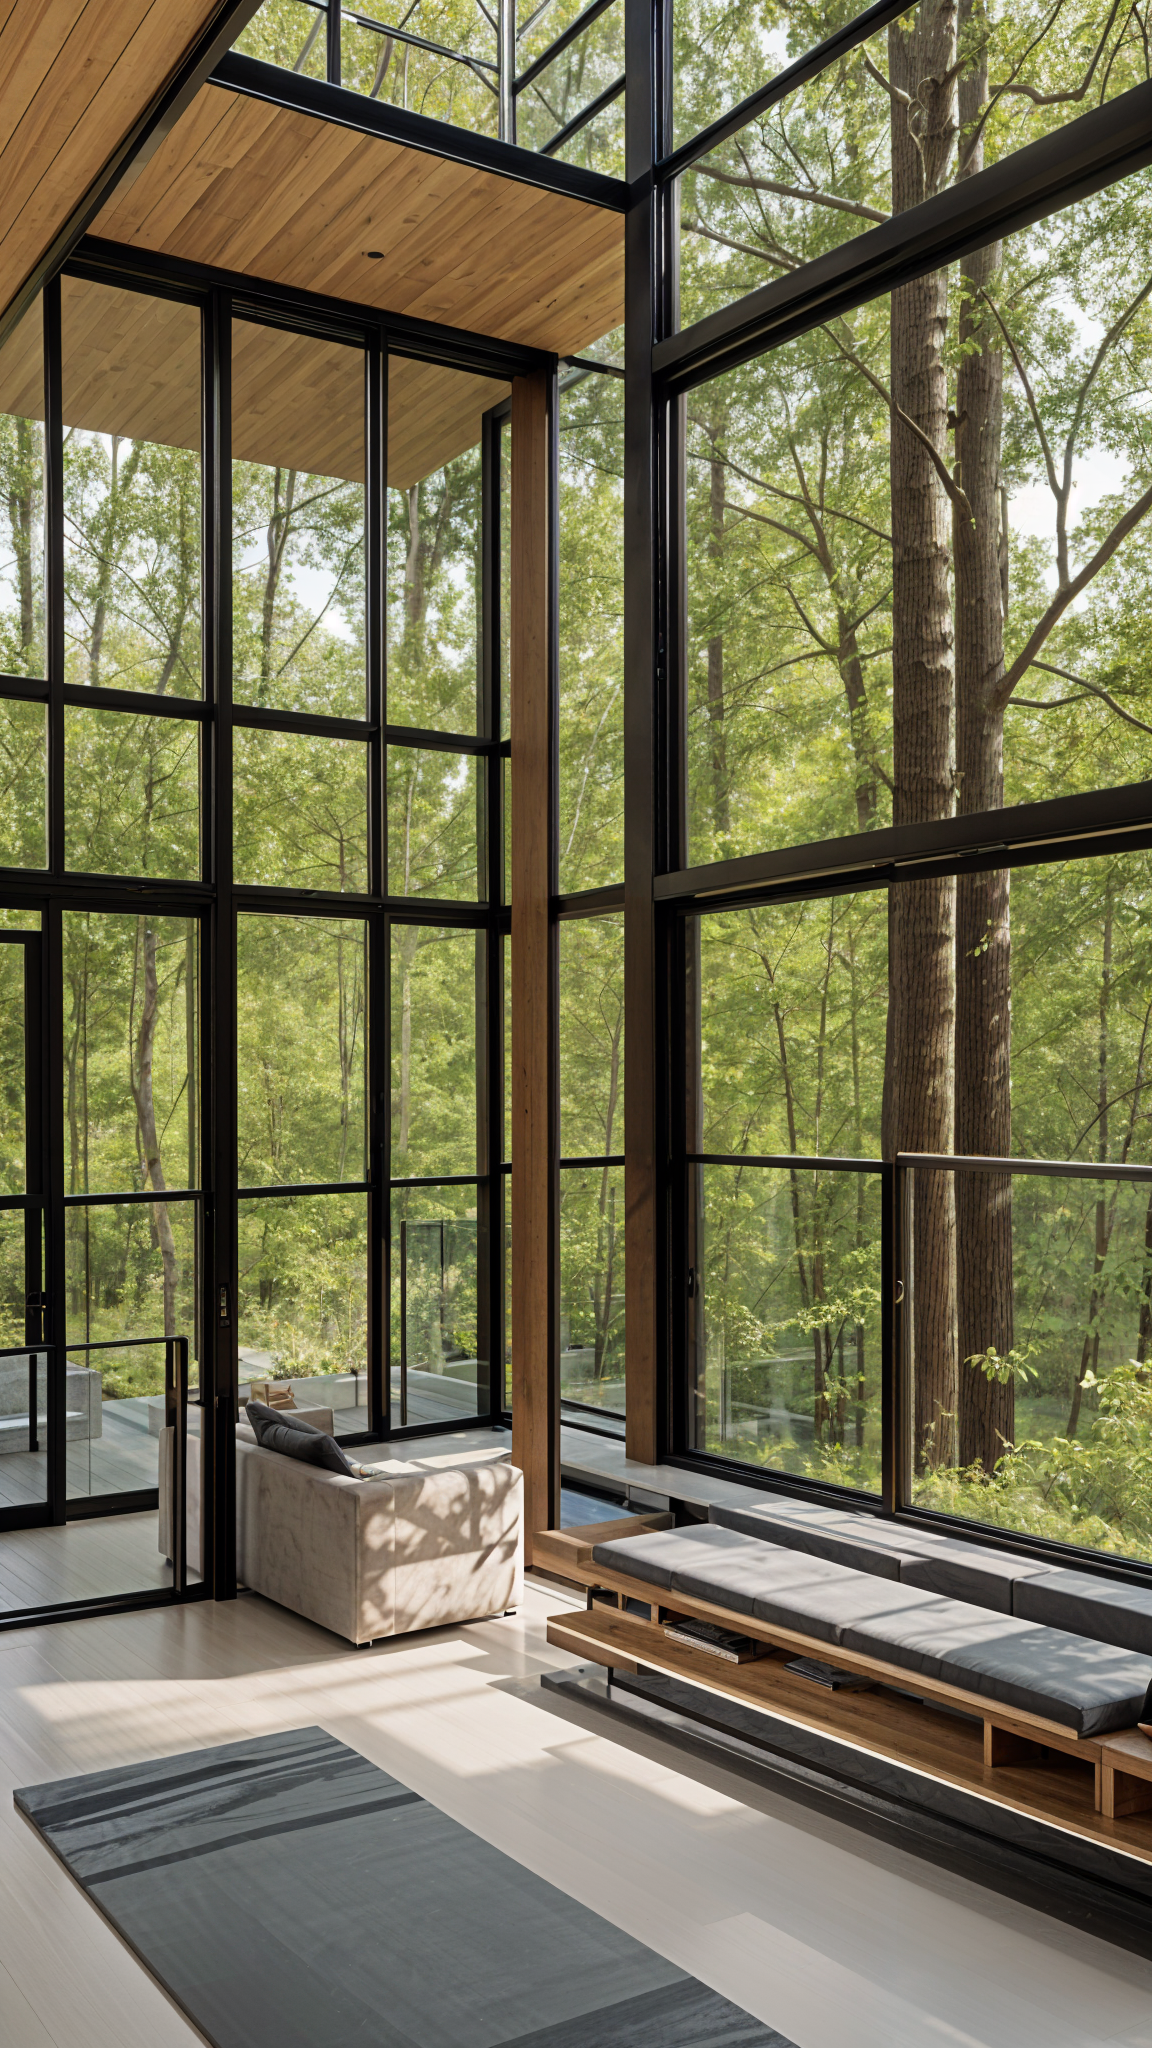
(288, 1894)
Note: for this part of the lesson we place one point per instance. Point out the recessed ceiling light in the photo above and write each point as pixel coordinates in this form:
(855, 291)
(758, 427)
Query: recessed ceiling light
(376, 254)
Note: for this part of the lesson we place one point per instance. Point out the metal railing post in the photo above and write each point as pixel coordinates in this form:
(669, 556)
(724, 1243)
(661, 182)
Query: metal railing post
(506, 60)
(403, 1323)
(176, 1416)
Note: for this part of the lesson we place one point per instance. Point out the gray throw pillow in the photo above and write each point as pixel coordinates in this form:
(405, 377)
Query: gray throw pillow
(277, 1431)
(259, 1414)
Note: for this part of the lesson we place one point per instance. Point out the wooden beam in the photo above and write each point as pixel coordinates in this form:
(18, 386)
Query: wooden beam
(535, 1337)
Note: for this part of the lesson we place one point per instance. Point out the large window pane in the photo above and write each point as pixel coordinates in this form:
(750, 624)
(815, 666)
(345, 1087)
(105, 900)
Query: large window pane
(131, 400)
(23, 788)
(434, 985)
(848, 664)
(13, 1099)
(436, 836)
(833, 159)
(1054, 1427)
(437, 1367)
(591, 1036)
(303, 1308)
(301, 1036)
(793, 1020)
(591, 799)
(298, 640)
(576, 76)
(131, 794)
(434, 544)
(786, 1330)
(301, 810)
(22, 496)
(592, 1287)
(428, 82)
(290, 33)
(131, 1079)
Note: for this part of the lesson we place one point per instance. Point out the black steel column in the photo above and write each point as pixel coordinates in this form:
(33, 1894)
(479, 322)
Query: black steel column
(218, 1444)
(376, 641)
(490, 1074)
(52, 930)
(644, 678)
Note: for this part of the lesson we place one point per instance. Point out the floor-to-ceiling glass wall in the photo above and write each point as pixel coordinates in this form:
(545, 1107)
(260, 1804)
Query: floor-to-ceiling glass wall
(908, 771)
(251, 907)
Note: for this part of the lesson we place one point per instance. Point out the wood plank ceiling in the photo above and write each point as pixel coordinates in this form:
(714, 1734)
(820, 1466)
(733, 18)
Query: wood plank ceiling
(75, 77)
(294, 200)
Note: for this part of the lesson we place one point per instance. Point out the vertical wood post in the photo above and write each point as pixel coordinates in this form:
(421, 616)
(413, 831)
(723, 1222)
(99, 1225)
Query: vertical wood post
(535, 1354)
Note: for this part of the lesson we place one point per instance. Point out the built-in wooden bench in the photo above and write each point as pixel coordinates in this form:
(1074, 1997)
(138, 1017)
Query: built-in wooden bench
(1101, 1788)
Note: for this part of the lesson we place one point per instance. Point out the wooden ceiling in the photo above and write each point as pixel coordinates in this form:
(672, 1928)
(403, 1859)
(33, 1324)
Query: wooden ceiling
(132, 366)
(75, 77)
(298, 201)
(294, 200)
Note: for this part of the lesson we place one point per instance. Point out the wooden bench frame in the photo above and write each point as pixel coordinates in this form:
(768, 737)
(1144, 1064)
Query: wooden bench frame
(1022, 1761)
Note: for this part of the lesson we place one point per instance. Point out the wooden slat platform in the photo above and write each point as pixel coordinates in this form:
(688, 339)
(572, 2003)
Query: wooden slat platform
(1047, 1784)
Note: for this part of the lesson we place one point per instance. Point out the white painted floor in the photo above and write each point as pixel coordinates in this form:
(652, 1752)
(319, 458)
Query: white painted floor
(836, 1942)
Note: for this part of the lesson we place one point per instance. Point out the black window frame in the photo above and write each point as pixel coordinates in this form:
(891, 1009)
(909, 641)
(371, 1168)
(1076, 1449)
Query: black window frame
(216, 899)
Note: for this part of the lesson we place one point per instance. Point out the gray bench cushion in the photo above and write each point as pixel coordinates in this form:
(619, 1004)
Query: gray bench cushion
(1087, 1606)
(1089, 1688)
(922, 1640)
(844, 1539)
(785, 1589)
(782, 1588)
(917, 1557)
(740, 1579)
(966, 1571)
(655, 1556)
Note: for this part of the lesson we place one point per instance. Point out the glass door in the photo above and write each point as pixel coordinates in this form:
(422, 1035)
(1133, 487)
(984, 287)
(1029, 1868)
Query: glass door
(25, 1404)
(98, 1497)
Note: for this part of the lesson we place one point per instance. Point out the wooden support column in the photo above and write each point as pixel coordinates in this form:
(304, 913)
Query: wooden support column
(535, 1336)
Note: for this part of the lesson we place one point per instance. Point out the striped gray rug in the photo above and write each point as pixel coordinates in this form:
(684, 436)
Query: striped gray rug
(288, 1894)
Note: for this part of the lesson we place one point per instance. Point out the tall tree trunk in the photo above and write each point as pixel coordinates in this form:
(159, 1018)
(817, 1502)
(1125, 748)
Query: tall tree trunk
(111, 539)
(1144, 1330)
(718, 741)
(144, 1098)
(860, 1391)
(984, 1288)
(852, 675)
(822, 1409)
(921, 1004)
(22, 509)
(1090, 1350)
(279, 529)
